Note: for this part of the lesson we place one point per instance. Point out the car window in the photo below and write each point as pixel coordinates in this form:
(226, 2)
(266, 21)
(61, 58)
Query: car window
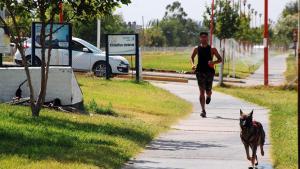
(77, 46)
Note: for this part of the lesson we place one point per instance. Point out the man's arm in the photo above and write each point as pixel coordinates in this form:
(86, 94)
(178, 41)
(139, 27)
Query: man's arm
(216, 53)
(195, 52)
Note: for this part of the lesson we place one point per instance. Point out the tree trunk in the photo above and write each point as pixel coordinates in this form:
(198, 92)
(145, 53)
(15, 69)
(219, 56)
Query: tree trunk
(35, 111)
(45, 65)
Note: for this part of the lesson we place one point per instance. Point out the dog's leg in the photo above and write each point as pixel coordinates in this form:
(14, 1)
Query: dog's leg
(262, 141)
(254, 148)
(256, 164)
(247, 151)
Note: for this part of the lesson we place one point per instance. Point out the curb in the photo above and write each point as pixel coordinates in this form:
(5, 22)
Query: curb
(156, 78)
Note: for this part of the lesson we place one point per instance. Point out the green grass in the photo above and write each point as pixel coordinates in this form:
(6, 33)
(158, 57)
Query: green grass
(177, 61)
(99, 140)
(292, 69)
(180, 62)
(242, 70)
(283, 117)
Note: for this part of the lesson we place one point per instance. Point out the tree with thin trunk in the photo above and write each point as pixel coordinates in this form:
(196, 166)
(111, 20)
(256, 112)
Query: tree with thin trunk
(226, 19)
(45, 11)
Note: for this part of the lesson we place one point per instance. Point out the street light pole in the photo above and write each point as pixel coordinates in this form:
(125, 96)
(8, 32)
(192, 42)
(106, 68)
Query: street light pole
(266, 44)
(212, 22)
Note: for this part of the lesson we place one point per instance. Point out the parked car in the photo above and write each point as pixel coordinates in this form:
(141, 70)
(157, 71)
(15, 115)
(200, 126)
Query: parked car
(85, 57)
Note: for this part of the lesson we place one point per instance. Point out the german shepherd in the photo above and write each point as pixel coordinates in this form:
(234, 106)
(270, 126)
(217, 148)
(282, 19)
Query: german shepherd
(252, 135)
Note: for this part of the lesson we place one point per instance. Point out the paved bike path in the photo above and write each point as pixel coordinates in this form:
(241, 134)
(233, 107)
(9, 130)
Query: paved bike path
(197, 143)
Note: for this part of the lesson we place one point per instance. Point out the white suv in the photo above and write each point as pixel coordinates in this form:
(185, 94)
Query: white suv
(85, 57)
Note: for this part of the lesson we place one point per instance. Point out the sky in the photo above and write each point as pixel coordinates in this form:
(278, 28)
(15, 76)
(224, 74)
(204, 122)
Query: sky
(155, 9)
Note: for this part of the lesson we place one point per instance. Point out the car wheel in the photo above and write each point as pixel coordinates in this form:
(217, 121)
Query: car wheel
(100, 69)
(37, 61)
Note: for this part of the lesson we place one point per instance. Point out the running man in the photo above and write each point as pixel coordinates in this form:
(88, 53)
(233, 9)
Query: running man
(205, 69)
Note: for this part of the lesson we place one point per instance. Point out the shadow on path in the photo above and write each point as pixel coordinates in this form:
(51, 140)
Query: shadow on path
(172, 145)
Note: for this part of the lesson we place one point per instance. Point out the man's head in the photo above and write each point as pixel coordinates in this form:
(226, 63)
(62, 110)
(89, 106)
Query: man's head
(203, 38)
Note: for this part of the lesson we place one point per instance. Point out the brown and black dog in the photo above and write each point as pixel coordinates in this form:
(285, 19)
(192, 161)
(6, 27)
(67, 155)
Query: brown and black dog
(252, 135)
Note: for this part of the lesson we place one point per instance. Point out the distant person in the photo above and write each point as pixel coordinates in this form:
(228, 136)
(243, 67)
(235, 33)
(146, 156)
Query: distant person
(205, 69)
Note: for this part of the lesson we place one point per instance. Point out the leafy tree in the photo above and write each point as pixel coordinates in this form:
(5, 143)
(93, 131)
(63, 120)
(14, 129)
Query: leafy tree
(290, 9)
(87, 28)
(177, 28)
(172, 28)
(283, 30)
(45, 12)
(226, 21)
(243, 31)
(154, 35)
(175, 11)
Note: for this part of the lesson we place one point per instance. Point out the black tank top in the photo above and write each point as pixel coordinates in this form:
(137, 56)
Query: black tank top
(204, 55)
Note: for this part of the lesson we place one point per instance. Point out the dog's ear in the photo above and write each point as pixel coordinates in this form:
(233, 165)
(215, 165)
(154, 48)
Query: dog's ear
(251, 114)
(241, 112)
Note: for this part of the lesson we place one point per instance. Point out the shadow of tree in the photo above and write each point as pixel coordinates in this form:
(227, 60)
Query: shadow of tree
(174, 145)
(67, 141)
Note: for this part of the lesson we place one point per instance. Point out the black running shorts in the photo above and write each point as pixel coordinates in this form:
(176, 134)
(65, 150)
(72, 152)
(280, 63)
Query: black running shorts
(205, 80)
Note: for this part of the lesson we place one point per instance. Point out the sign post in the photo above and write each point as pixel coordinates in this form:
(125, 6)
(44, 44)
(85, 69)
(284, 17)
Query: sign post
(137, 59)
(123, 44)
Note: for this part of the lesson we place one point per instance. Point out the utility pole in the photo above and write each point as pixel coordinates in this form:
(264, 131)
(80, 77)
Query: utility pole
(212, 22)
(266, 45)
(98, 33)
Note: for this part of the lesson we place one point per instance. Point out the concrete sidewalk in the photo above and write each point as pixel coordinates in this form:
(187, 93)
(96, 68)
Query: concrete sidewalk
(277, 68)
(197, 143)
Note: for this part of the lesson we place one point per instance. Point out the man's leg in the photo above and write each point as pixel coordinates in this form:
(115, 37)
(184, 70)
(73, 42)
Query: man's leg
(202, 99)
(201, 84)
(208, 96)
(202, 102)
(208, 86)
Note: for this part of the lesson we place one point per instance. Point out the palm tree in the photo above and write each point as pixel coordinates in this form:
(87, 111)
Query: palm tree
(260, 15)
(245, 2)
(251, 18)
(255, 18)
